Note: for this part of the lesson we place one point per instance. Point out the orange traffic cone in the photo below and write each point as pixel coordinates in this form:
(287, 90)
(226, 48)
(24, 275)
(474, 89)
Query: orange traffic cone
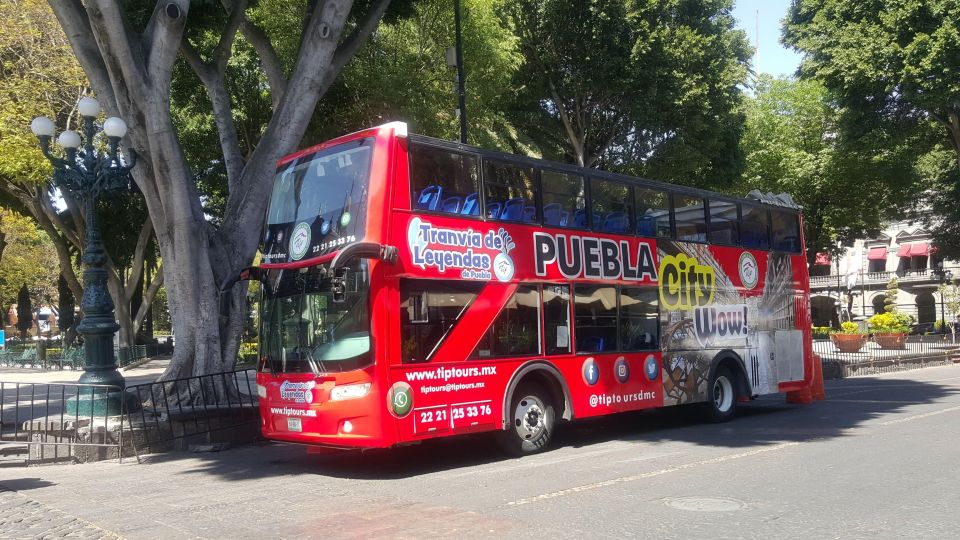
(816, 386)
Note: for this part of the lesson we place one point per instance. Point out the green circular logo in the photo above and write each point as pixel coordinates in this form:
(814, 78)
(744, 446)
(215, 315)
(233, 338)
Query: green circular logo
(345, 219)
(400, 399)
(300, 241)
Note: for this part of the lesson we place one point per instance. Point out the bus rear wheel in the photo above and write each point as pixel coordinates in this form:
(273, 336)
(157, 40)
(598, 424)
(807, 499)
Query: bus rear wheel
(532, 420)
(721, 401)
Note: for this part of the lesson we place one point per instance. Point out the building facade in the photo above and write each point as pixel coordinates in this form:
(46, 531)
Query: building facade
(856, 280)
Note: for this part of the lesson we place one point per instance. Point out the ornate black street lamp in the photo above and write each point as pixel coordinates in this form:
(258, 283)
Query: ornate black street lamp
(87, 173)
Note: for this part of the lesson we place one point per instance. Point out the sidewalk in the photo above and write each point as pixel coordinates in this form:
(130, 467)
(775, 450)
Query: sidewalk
(144, 373)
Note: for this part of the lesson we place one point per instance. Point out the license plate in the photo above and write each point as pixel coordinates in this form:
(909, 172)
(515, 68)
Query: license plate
(293, 424)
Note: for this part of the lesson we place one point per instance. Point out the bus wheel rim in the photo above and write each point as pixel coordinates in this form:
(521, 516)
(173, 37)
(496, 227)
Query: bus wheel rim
(722, 394)
(529, 418)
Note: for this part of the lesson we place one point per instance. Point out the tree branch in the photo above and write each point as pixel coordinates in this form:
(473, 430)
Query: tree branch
(213, 81)
(139, 255)
(162, 39)
(358, 36)
(577, 144)
(147, 301)
(269, 60)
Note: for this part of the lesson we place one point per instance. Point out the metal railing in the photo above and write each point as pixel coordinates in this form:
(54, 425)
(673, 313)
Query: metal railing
(180, 410)
(872, 358)
(36, 427)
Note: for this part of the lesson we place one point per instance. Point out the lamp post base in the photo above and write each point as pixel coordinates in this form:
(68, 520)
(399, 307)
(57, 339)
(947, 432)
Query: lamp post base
(100, 402)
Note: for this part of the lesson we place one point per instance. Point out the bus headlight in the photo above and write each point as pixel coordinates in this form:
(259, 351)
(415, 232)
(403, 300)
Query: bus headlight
(349, 391)
(262, 391)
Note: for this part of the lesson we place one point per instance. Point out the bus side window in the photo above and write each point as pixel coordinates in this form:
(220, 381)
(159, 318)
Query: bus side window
(556, 318)
(724, 223)
(653, 213)
(428, 310)
(755, 229)
(786, 231)
(690, 218)
(612, 205)
(443, 181)
(516, 330)
(564, 200)
(595, 318)
(510, 192)
(639, 320)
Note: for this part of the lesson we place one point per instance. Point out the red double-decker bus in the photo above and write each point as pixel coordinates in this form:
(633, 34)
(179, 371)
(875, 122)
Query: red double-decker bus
(415, 288)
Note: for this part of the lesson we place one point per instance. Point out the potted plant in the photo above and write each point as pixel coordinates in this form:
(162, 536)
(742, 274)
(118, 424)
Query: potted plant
(890, 329)
(849, 339)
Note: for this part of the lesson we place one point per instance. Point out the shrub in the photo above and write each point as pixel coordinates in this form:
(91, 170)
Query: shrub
(848, 328)
(821, 332)
(892, 322)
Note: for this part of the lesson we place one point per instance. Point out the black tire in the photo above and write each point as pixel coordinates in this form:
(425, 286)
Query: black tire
(721, 402)
(532, 421)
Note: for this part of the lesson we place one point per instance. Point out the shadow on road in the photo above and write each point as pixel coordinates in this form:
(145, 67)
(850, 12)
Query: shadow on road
(769, 420)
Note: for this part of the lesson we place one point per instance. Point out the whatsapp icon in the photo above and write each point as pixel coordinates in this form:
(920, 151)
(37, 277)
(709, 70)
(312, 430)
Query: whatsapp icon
(400, 399)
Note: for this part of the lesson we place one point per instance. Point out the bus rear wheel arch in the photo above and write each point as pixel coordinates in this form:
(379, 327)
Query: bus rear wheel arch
(726, 386)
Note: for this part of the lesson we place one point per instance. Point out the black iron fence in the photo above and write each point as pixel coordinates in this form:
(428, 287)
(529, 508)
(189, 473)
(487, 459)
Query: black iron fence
(43, 422)
(49, 355)
(884, 357)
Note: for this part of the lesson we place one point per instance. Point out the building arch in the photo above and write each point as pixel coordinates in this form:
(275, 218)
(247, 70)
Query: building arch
(823, 310)
(926, 307)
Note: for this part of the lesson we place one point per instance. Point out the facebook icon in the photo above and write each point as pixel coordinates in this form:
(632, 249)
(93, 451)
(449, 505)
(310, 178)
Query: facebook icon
(590, 372)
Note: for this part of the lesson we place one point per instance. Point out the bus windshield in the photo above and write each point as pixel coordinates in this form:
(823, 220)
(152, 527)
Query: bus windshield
(306, 328)
(318, 204)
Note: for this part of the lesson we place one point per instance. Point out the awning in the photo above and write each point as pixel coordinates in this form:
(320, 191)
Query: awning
(904, 250)
(823, 259)
(877, 254)
(919, 249)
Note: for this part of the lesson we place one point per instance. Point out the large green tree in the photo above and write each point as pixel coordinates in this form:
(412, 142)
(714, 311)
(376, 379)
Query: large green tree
(129, 52)
(647, 87)
(894, 69)
(791, 146)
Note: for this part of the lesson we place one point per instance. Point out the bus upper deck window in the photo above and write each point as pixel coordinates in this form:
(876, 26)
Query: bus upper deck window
(786, 231)
(563, 200)
(509, 191)
(724, 223)
(612, 205)
(444, 181)
(653, 213)
(690, 218)
(755, 227)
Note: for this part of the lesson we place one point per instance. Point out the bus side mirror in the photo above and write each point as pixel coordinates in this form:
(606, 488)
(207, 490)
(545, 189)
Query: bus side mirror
(247, 274)
(338, 285)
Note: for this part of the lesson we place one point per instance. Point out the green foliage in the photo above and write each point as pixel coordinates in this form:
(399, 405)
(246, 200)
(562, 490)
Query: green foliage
(890, 296)
(848, 327)
(791, 146)
(643, 87)
(821, 332)
(29, 259)
(894, 322)
(894, 70)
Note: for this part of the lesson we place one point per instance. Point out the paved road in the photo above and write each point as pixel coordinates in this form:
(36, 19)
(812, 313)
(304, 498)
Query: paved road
(879, 459)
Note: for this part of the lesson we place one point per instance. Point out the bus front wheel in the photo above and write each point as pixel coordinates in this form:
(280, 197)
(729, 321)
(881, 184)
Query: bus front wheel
(532, 420)
(721, 401)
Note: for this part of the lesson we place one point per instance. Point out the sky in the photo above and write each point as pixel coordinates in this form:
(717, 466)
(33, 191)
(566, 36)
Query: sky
(773, 57)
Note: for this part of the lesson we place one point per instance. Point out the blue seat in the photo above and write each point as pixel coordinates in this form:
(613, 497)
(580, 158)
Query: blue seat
(592, 344)
(647, 226)
(564, 218)
(493, 210)
(615, 222)
(580, 219)
(529, 214)
(429, 198)
(551, 214)
(451, 205)
(512, 210)
(471, 205)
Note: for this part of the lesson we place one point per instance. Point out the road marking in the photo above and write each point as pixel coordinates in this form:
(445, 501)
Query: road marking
(632, 478)
(919, 416)
(894, 401)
